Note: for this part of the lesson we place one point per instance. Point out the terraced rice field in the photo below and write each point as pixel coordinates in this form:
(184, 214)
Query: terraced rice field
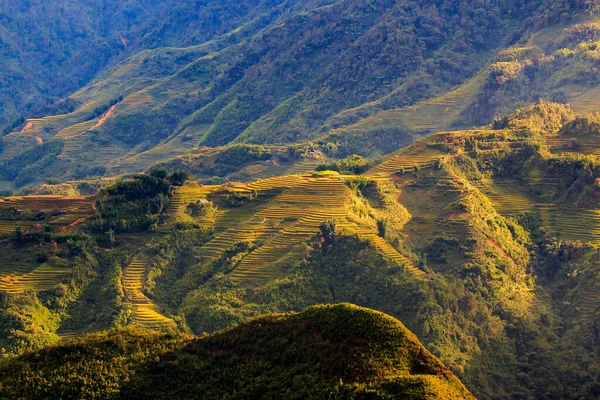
(393, 254)
(585, 101)
(438, 183)
(457, 228)
(220, 221)
(507, 199)
(8, 270)
(226, 239)
(138, 98)
(274, 183)
(73, 147)
(301, 205)
(432, 115)
(573, 224)
(257, 265)
(566, 224)
(74, 207)
(589, 304)
(13, 148)
(77, 148)
(402, 162)
(49, 202)
(16, 279)
(9, 227)
(76, 129)
(564, 144)
(182, 196)
(439, 113)
(145, 313)
(303, 167)
(141, 161)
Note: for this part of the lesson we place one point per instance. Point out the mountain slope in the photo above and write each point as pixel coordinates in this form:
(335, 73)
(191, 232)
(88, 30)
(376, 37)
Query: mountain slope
(290, 78)
(340, 351)
(368, 78)
(54, 48)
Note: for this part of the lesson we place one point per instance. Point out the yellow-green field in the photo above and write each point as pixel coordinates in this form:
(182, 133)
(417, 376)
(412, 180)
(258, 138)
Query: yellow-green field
(145, 313)
(27, 274)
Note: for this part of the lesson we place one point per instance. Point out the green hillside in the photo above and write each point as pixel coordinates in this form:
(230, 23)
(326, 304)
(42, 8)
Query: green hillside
(371, 76)
(52, 49)
(325, 352)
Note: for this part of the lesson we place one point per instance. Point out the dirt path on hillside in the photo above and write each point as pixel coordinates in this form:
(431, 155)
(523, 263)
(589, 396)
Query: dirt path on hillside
(76, 222)
(28, 126)
(495, 245)
(104, 118)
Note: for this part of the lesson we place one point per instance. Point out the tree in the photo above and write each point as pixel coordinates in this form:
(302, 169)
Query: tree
(159, 173)
(178, 178)
(382, 227)
(328, 230)
(111, 238)
(18, 235)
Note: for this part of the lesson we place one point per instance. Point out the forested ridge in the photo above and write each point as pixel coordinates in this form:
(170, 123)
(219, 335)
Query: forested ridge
(53, 48)
(335, 352)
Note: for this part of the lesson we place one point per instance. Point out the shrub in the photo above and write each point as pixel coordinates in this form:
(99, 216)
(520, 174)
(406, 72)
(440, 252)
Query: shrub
(133, 205)
(382, 227)
(200, 209)
(321, 174)
(353, 164)
(178, 178)
(238, 155)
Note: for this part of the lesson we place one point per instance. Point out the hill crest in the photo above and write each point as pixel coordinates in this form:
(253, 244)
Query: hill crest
(340, 349)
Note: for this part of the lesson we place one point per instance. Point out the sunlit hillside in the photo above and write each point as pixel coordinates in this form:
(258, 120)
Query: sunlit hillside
(501, 222)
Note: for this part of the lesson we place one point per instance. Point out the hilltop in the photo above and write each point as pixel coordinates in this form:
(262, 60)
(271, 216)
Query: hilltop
(340, 351)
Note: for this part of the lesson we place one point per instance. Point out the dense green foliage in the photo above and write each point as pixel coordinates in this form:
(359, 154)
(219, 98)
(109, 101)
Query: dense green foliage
(326, 352)
(54, 48)
(270, 72)
(254, 72)
(29, 166)
(476, 310)
(283, 89)
(88, 298)
(476, 304)
(483, 242)
(354, 164)
(557, 70)
(136, 205)
(98, 111)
